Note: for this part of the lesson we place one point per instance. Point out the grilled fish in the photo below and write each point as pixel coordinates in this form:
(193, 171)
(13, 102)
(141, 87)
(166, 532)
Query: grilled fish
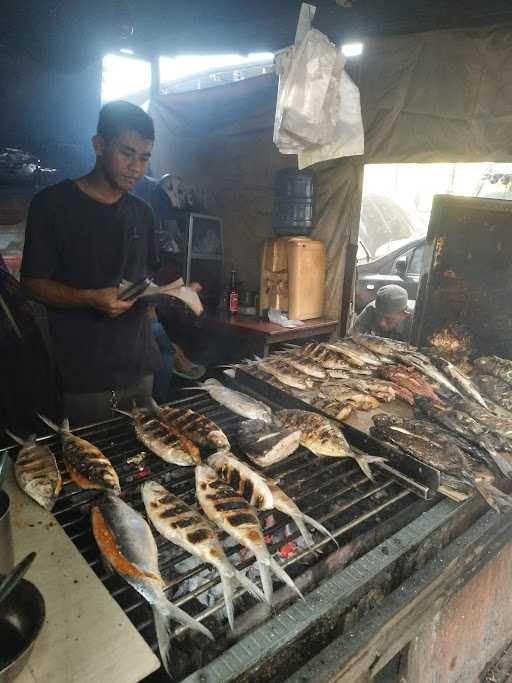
(345, 394)
(444, 456)
(463, 383)
(321, 437)
(426, 368)
(495, 423)
(383, 346)
(198, 428)
(236, 401)
(179, 523)
(286, 374)
(379, 389)
(228, 510)
(267, 444)
(495, 366)
(127, 545)
(162, 438)
(85, 464)
(262, 492)
(340, 410)
(461, 423)
(36, 471)
(306, 365)
(497, 389)
(408, 378)
(356, 355)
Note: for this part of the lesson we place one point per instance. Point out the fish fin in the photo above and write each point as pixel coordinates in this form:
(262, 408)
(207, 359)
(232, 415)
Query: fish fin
(14, 437)
(280, 572)
(154, 407)
(227, 587)
(163, 636)
(316, 525)
(51, 424)
(122, 412)
(364, 460)
(495, 498)
(266, 578)
(230, 372)
(257, 358)
(172, 611)
(249, 585)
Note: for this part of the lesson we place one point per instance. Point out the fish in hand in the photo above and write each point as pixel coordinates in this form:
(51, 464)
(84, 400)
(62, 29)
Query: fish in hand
(186, 527)
(86, 465)
(232, 513)
(36, 471)
(127, 545)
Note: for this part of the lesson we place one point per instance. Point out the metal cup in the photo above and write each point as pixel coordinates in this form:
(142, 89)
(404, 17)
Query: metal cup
(6, 551)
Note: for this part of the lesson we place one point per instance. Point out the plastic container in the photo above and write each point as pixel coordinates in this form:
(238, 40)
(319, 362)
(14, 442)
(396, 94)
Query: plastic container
(293, 202)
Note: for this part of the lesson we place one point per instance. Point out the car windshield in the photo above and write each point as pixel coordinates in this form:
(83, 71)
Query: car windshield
(384, 221)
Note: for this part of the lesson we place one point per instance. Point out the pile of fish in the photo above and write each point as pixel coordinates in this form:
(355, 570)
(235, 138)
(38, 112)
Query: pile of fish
(470, 416)
(230, 493)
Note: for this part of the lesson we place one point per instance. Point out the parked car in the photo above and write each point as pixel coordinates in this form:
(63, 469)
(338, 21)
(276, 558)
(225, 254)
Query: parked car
(401, 266)
(383, 221)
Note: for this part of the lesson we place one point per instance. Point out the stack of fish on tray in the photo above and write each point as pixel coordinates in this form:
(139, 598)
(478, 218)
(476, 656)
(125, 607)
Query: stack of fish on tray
(230, 493)
(462, 425)
(353, 374)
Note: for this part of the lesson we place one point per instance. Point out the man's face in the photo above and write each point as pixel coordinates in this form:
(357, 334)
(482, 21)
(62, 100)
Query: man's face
(386, 323)
(124, 159)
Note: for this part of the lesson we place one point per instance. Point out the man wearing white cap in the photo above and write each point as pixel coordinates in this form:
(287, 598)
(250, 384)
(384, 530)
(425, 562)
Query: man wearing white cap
(388, 316)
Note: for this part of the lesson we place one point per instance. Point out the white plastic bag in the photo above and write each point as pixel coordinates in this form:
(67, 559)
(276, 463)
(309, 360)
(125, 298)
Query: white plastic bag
(318, 112)
(275, 316)
(349, 135)
(306, 90)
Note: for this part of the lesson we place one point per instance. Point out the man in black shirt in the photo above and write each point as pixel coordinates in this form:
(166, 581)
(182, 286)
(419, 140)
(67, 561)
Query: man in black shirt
(83, 237)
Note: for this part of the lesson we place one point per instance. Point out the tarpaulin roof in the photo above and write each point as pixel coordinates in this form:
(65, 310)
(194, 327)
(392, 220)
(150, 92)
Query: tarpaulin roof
(73, 34)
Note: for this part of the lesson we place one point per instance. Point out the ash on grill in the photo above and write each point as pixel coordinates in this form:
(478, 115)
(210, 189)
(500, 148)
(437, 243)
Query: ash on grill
(357, 511)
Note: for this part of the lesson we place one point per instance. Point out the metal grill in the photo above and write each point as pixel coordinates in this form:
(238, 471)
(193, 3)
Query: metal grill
(333, 491)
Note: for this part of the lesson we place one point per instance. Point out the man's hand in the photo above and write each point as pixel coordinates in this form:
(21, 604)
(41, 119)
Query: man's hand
(106, 301)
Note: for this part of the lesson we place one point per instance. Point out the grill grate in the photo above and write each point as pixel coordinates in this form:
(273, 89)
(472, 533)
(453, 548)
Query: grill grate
(333, 491)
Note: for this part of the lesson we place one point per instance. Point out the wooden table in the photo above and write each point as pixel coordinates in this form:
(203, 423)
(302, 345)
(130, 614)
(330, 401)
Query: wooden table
(263, 334)
(86, 638)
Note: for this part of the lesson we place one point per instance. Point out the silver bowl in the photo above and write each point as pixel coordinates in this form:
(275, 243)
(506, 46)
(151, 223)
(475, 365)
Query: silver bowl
(22, 615)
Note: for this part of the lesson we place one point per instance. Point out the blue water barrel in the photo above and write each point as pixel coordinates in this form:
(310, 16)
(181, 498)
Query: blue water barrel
(293, 202)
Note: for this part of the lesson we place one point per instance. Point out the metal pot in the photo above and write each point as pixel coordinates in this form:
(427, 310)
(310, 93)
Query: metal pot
(22, 615)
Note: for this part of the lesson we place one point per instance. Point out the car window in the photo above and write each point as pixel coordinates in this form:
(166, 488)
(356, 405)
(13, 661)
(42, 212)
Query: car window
(416, 261)
(404, 255)
(362, 254)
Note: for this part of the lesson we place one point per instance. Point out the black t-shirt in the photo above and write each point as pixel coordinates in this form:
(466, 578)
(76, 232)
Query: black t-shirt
(73, 239)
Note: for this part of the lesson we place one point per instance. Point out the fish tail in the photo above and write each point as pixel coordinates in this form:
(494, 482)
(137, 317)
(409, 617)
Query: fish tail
(14, 437)
(154, 407)
(227, 587)
(52, 425)
(316, 525)
(249, 585)
(171, 611)
(364, 463)
(266, 578)
(163, 636)
(280, 572)
(495, 498)
(122, 412)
